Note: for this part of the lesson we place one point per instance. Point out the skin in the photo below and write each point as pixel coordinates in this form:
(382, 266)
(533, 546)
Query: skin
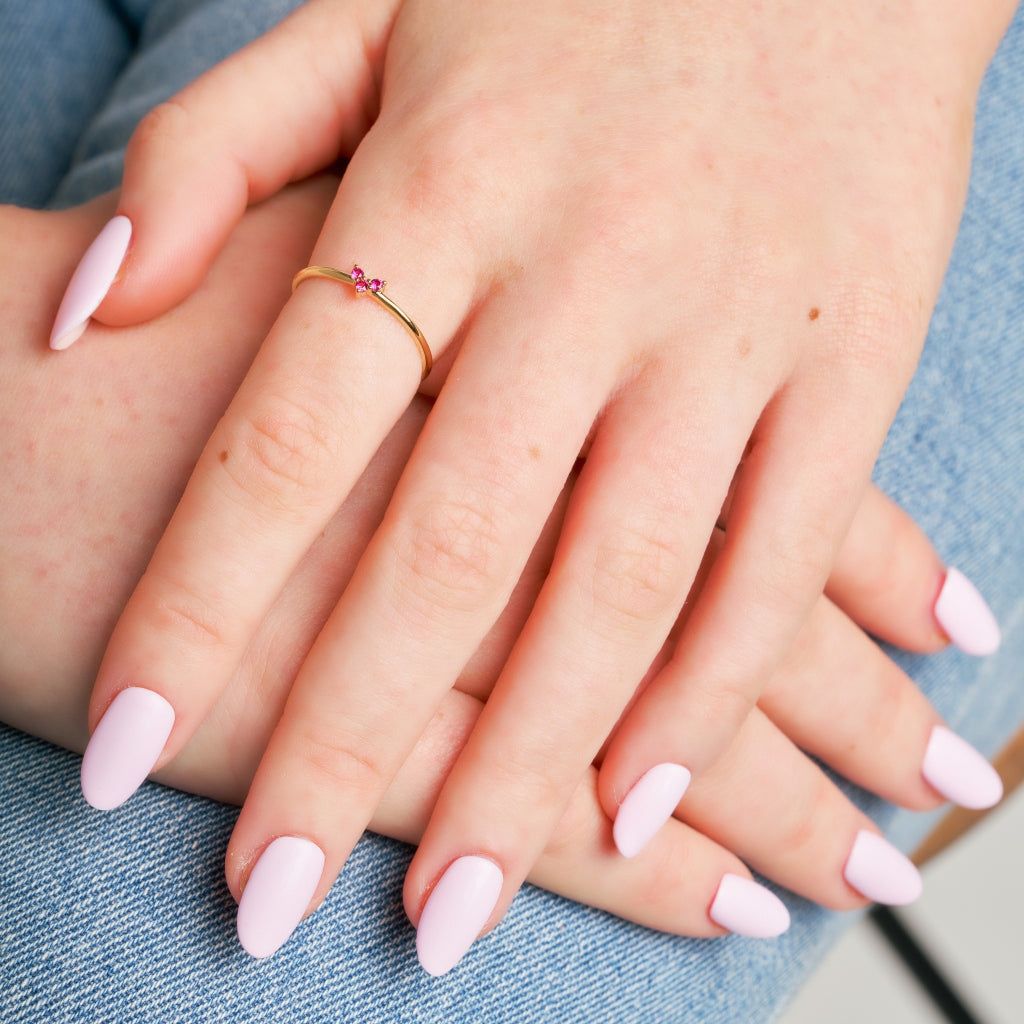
(98, 450)
(722, 251)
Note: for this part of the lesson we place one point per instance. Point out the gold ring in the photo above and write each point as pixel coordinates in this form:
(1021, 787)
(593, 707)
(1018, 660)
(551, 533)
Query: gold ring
(373, 287)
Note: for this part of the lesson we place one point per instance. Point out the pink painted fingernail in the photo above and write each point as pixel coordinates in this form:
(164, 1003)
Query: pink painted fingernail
(125, 746)
(456, 911)
(277, 894)
(90, 282)
(954, 768)
(879, 872)
(965, 617)
(746, 908)
(648, 805)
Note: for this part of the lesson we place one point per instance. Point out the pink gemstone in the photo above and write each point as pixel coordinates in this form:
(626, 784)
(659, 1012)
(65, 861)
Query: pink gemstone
(357, 273)
(376, 284)
(361, 284)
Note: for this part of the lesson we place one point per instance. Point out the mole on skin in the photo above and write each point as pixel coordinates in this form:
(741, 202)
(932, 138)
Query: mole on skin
(813, 315)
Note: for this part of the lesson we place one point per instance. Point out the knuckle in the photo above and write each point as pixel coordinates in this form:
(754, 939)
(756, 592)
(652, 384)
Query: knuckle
(724, 703)
(636, 575)
(336, 765)
(800, 829)
(181, 612)
(577, 829)
(633, 218)
(883, 718)
(797, 559)
(451, 166)
(533, 787)
(889, 571)
(878, 320)
(280, 457)
(667, 864)
(879, 580)
(160, 129)
(455, 550)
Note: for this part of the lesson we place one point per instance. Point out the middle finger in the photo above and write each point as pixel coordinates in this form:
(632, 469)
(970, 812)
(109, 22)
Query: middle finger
(634, 535)
(474, 497)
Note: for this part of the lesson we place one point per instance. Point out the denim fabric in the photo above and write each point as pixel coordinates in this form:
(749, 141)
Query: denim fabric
(125, 917)
(58, 63)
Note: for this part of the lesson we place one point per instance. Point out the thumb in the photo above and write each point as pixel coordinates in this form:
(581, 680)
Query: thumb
(286, 106)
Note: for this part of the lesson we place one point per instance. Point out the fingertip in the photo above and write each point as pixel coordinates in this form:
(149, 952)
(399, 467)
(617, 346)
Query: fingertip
(744, 907)
(125, 746)
(92, 279)
(176, 239)
(879, 872)
(959, 773)
(965, 617)
(278, 894)
(456, 911)
(648, 806)
(63, 338)
(183, 192)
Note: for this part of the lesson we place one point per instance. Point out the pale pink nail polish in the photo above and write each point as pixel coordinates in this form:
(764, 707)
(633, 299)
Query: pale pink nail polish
(277, 894)
(879, 872)
(125, 746)
(647, 806)
(954, 768)
(965, 617)
(746, 908)
(90, 282)
(456, 911)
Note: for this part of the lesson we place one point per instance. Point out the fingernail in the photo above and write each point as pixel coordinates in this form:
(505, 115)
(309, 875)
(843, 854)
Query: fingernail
(456, 912)
(125, 746)
(954, 768)
(647, 806)
(965, 617)
(746, 908)
(90, 282)
(879, 872)
(277, 894)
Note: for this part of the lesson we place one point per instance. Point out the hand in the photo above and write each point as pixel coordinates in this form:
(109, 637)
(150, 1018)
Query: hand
(95, 456)
(813, 238)
(83, 459)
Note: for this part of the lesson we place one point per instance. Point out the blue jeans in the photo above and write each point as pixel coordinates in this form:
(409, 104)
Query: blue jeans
(127, 917)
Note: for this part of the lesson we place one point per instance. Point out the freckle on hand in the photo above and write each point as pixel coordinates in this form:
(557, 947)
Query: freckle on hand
(813, 314)
(223, 456)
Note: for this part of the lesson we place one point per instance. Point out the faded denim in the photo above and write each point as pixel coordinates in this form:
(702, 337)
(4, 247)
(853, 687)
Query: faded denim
(125, 917)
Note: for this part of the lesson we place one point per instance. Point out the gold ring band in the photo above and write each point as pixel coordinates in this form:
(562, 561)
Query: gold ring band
(373, 287)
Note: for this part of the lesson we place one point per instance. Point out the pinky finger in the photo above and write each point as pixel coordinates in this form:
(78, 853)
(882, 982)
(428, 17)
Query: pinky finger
(892, 582)
(686, 883)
